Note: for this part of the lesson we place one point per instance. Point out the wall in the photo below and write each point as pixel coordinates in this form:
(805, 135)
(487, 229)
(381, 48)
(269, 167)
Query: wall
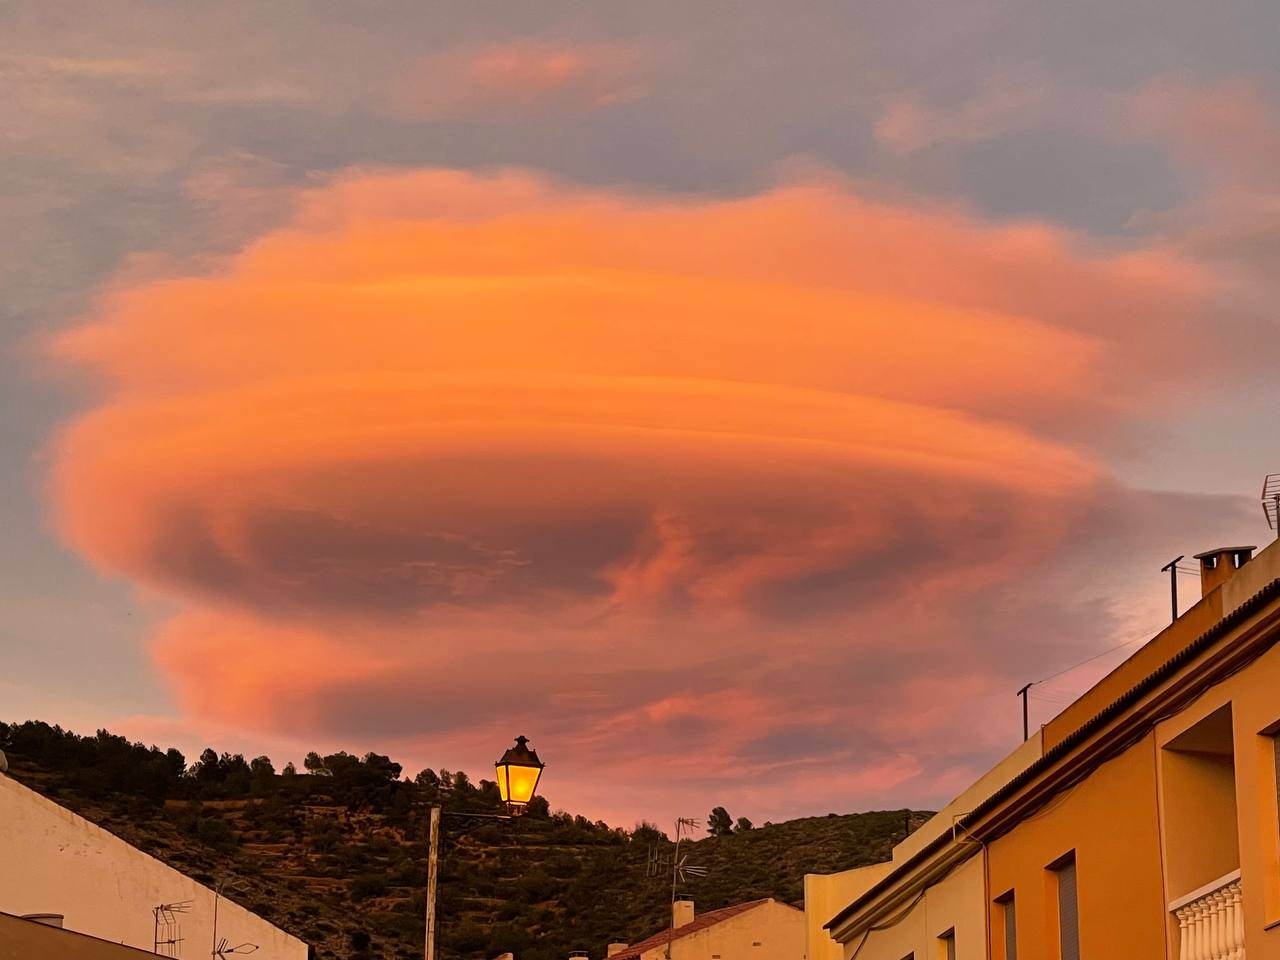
(57, 862)
(1252, 577)
(1198, 803)
(825, 895)
(956, 902)
(26, 940)
(1255, 710)
(1110, 820)
(778, 928)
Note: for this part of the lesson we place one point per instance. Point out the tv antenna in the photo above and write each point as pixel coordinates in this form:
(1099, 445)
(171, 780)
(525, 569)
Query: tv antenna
(168, 931)
(224, 949)
(221, 946)
(1271, 501)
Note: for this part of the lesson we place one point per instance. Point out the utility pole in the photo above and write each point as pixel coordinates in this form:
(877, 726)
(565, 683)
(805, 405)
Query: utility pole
(1172, 567)
(1026, 718)
(433, 871)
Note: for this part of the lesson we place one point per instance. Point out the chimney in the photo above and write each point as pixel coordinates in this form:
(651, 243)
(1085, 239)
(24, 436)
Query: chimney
(1219, 565)
(577, 955)
(614, 948)
(681, 912)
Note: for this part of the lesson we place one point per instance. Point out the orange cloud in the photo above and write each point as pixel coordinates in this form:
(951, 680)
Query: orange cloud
(521, 77)
(693, 465)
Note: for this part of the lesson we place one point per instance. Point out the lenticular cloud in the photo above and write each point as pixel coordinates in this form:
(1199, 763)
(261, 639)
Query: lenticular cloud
(671, 456)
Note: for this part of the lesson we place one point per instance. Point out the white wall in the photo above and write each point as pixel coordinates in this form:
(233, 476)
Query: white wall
(52, 861)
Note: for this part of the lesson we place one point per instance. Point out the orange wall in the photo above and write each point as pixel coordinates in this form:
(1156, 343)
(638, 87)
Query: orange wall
(1110, 821)
(1254, 695)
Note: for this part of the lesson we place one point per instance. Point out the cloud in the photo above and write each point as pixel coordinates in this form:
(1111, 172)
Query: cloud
(518, 77)
(707, 478)
(909, 124)
(1226, 137)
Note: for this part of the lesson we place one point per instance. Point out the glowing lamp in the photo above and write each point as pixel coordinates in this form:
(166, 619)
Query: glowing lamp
(518, 773)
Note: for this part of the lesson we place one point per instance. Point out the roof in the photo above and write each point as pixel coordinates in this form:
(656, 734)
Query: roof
(1220, 550)
(708, 919)
(1239, 615)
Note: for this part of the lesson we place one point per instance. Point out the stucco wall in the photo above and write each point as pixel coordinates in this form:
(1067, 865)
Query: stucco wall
(955, 903)
(1252, 577)
(1109, 820)
(1255, 710)
(825, 895)
(56, 862)
(771, 931)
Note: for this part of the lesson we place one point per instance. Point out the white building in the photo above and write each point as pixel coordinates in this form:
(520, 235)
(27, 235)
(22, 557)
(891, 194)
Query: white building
(55, 862)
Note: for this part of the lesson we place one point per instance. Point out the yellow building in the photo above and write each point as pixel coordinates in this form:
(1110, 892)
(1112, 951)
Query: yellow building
(1145, 824)
(928, 901)
(755, 930)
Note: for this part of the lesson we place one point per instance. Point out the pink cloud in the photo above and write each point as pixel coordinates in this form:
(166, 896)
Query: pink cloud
(719, 480)
(519, 77)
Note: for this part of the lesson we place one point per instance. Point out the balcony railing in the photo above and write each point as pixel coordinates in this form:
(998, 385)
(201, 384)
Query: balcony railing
(1211, 921)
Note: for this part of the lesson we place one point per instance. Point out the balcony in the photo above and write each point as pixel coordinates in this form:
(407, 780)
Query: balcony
(1211, 921)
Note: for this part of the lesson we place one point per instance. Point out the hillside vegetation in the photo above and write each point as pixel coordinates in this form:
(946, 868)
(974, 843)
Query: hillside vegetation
(336, 853)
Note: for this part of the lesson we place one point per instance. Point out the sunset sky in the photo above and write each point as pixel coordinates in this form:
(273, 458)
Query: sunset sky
(740, 400)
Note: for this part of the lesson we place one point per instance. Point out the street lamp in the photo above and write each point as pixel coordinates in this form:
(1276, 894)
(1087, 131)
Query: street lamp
(518, 773)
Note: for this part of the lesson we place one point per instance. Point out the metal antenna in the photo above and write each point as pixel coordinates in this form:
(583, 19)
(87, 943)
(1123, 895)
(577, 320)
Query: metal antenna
(220, 948)
(682, 870)
(1271, 501)
(168, 932)
(1026, 718)
(1172, 567)
(224, 949)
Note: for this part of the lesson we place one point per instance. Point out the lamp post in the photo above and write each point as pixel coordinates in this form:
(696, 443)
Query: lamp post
(518, 773)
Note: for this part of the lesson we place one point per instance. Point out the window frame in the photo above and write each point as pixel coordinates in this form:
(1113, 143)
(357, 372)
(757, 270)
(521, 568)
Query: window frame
(1067, 866)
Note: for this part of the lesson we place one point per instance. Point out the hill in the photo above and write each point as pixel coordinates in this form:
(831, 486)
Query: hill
(336, 853)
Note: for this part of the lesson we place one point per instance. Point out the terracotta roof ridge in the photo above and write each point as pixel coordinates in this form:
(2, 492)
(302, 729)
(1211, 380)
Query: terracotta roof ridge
(701, 922)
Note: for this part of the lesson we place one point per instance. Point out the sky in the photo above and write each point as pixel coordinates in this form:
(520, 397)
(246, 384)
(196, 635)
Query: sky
(740, 400)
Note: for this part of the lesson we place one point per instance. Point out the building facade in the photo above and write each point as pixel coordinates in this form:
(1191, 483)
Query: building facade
(928, 901)
(755, 930)
(1145, 824)
(55, 863)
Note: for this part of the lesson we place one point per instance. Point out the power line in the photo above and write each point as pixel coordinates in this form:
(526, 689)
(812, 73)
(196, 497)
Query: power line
(1096, 656)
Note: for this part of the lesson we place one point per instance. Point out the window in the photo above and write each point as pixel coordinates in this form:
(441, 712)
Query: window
(947, 945)
(1275, 753)
(1009, 921)
(1068, 909)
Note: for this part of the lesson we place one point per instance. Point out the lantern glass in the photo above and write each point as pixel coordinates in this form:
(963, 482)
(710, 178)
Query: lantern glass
(516, 783)
(518, 773)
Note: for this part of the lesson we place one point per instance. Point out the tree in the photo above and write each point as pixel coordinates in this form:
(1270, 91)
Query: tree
(262, 774)
(719, 823)
(647, 833)
(744, 825)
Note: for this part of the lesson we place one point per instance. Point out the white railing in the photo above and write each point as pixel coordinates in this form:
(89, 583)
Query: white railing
(1211, 921)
